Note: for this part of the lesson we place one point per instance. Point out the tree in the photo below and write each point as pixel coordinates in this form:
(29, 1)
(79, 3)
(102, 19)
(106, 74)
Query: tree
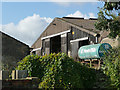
(111, 67)
(109, 18)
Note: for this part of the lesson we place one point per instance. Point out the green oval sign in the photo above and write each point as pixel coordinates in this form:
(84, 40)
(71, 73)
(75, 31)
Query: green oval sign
(93, 51)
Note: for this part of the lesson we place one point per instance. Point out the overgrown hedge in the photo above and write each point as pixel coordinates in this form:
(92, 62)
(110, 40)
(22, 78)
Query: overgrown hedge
(58, 71)
(111, 66)
(33, 64)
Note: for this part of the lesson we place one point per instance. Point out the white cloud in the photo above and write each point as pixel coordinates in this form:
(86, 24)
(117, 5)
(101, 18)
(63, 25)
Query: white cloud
(81, 15)
(91, 15)
(28, 29)
(76, 14)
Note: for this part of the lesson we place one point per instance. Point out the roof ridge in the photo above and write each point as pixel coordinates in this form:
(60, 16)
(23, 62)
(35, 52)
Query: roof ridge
(77, 25)
(13, 38)
(43, 31)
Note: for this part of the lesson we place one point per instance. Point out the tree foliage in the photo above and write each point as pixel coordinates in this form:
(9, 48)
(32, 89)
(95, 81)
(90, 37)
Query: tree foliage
(109, 18)
(111, 66)
(58, 71)
(63, 72)
(110, 5)
(34, 64)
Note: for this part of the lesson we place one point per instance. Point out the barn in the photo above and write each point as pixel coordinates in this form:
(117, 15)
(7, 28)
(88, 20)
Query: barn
(11, 51)
(68, 34)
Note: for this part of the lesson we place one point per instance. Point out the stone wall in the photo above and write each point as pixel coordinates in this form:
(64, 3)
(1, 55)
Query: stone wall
(20, 80)
(20, 84)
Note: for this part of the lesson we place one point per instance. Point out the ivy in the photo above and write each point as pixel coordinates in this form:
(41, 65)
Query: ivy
(33, 64)
(58, 71)
(63, 72)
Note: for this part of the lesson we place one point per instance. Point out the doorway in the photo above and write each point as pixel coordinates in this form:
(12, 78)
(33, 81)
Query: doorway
(55, 44)
(83, 43)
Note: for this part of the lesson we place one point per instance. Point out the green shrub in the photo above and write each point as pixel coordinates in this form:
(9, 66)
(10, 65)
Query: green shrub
(58, 71)
(63, 72)
(33, 64)
(111, 66)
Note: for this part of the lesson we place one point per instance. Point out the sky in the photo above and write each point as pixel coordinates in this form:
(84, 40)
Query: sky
(25, 21)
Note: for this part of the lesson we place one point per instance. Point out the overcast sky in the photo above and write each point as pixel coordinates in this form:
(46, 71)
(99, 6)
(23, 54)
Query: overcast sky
(25, 21)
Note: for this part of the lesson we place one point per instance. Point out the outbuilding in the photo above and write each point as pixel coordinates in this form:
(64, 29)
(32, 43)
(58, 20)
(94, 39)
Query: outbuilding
(67, 35)
(11, 51)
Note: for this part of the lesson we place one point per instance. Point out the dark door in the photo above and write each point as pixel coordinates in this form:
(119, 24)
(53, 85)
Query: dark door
(55, 44)
(83, 43)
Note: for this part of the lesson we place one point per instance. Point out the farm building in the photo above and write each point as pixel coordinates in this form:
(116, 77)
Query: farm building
(67, 35)
(12, 51)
